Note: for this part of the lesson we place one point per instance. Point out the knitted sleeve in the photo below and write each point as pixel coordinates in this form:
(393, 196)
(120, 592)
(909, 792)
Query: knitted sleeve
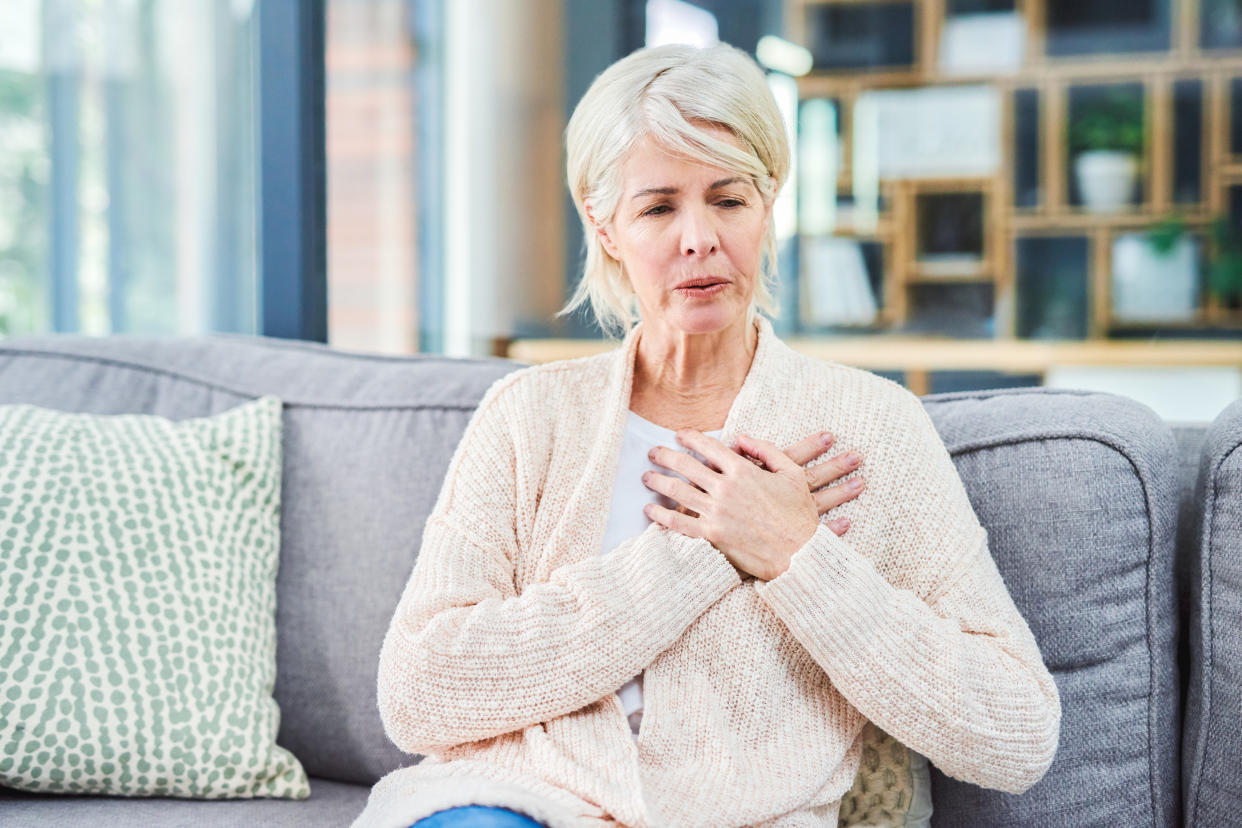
(468, 657)
(953, 672)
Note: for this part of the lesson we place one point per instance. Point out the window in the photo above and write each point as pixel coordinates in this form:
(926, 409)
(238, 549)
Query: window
(133, 197)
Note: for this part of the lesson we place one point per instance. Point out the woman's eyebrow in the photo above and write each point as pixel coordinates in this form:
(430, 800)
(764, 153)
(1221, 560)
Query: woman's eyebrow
(716, 185)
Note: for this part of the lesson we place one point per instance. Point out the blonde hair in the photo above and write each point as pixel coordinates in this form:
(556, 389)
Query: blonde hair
(662, 92)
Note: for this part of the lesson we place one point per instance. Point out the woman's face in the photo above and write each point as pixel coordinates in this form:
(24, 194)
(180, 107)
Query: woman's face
(689, 236)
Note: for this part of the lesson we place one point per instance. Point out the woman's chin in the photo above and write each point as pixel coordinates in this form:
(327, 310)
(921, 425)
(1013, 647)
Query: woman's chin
(708, 319)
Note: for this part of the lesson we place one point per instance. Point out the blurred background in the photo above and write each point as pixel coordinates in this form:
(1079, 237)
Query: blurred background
(987, 193)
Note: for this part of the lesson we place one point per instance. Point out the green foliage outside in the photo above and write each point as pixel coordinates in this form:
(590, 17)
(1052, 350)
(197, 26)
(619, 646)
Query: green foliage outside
(23, 202)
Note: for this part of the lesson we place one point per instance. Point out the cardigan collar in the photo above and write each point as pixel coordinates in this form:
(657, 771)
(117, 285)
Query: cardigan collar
(593, 491)
(753, 393)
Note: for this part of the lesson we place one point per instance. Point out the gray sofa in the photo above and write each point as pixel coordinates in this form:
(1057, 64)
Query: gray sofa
(1116, 532)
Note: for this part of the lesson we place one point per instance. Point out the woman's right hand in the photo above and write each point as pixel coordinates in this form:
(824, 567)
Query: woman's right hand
(818, 477)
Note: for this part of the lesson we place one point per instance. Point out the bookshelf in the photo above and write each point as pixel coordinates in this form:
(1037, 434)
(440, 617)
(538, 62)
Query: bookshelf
(1042, 265)
(1037, 240)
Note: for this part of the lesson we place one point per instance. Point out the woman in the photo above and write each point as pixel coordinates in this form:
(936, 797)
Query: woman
(568, 653)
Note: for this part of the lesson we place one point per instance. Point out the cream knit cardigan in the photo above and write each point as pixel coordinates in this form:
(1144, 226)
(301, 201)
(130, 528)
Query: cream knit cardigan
(503, 658)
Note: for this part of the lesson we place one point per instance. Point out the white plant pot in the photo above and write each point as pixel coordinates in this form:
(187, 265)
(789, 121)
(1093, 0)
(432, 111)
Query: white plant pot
(1105, 179)
(1153, 287)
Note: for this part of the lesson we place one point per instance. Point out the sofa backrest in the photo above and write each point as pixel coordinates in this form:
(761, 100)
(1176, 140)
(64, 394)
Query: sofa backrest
(1073, 487)
(1079, 494)
(367, 440)
(1212, 738)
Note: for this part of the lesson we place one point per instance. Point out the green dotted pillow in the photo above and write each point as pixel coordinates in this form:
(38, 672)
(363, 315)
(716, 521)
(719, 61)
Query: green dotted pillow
(137, 604)
(892, 788)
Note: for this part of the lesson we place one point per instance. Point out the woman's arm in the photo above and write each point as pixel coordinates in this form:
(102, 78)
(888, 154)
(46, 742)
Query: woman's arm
(467, 658)
(953, 673)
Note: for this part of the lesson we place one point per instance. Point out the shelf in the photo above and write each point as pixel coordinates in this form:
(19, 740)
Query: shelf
(901, 353)
(1041, 265)
(1099, 69)
(1083, 221)
(1200, 324)
(955, 269)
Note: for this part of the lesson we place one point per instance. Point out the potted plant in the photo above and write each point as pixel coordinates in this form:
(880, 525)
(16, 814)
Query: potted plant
(1169, 239)
(1155, 274)
(1106, 137)
(1225, 274)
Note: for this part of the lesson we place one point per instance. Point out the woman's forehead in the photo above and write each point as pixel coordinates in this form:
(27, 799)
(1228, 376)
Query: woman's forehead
(652, 165)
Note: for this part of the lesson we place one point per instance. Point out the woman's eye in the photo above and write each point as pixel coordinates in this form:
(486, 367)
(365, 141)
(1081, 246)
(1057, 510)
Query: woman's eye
(658, 210)
(730, 202)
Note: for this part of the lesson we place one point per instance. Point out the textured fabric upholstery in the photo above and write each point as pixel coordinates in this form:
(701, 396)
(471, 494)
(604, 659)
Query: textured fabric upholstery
(1212, 742)
(366, 442)
(1078, 491)
(331, 805)
(1074, 490)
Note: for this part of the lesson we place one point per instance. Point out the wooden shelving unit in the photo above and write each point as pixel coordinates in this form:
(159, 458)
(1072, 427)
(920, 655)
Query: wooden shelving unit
(918, 357)
(1054, 80)
(1040, 90)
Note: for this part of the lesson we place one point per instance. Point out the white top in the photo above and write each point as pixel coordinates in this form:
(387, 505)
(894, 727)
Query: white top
(626, 519)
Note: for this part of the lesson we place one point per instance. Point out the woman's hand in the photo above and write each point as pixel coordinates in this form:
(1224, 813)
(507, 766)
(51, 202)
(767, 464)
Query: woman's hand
(826, 497)
(757, 516)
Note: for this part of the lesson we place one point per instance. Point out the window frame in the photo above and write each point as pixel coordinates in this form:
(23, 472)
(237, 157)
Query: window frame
(292, 185)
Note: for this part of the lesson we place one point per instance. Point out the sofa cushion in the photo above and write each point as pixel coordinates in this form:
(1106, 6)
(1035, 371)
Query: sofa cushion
(331, 805)
(1212, 739)
(138, 583)
(1075, 492)
(366, 443)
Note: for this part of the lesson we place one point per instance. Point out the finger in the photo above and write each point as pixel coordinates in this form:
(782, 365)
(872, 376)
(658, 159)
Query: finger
(740, 452)
(675, 521)
(685, 465)
(772, 457)
(676, 489)
(821, 474)
(810, 447)
(831, 497)
(839, 526)
(715, 451)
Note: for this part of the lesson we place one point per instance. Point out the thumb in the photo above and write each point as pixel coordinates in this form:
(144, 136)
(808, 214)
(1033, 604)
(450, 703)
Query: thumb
(772, 457)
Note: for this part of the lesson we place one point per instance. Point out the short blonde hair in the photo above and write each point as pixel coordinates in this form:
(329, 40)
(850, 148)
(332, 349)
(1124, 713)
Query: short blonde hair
(662, 92)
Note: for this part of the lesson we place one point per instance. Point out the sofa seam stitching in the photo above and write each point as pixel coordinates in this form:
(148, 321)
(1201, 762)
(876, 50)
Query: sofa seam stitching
(1200, 749)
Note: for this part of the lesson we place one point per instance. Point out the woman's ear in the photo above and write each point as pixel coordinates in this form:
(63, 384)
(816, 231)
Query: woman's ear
(604, 238)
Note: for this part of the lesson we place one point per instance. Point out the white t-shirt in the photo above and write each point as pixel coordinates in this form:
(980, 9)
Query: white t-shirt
(626, 519)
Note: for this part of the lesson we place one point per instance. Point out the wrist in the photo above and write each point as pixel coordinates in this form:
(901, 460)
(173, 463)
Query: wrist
(789, 550)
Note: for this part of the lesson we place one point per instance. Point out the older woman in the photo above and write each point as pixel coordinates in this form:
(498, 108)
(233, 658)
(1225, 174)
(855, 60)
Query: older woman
(631, 607)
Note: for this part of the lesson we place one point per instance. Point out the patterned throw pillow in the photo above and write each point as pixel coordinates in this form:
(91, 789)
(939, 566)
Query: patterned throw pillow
(892, 788)
(137, 604)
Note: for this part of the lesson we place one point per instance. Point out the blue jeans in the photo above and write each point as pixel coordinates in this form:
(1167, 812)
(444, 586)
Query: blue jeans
(476, 816)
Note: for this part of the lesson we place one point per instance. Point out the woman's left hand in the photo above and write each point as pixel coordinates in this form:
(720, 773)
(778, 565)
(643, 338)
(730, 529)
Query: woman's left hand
(757, 517)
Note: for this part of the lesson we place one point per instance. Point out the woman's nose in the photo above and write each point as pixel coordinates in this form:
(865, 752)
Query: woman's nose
(698, 234)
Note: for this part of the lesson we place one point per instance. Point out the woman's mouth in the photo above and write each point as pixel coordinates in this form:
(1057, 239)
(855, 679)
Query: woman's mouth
(701, 288)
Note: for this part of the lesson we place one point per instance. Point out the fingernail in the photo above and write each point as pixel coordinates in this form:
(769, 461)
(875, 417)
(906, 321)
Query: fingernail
(651, 454)
(852, 459)
(855, 485)
(827, 438)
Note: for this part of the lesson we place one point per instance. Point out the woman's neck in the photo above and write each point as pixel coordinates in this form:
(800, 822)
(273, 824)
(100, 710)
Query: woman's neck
(689, 380)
